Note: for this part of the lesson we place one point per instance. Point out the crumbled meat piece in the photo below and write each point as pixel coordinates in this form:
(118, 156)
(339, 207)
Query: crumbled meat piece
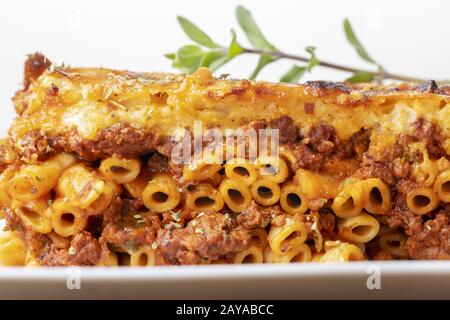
(34, 144)
(120, 140)
(126, 229)
(157, 163)
(373, 169)
(256, 216)
(180, 217)
(7, 153)
(360, 142)
(430, 240)
(430, 134)
(35, 65)
(322, 138)
(307, 158)
(327, 225)
(288, 130)
(320, 144)
(84, 250)
(205, 238)
(400, 216)
(401, 168)
(405, 185)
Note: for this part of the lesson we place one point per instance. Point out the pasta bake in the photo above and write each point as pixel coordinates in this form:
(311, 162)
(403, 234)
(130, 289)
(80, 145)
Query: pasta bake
(88, 175)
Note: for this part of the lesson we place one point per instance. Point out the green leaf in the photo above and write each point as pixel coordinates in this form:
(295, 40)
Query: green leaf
(361, 76)
(190, 57)
(195, 34)
(351, 37)
(177, 65)
(214, 59)
(216, 64)
(210, 56)
(263, 61)
(234, 48)
(313, 61)
(256, 38)
(251, 29)
(294, 74)
(170, 56)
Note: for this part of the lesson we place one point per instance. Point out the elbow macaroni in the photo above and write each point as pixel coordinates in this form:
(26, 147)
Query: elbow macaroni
(120, 170)
(161, 194)
(12, 249)
(33, 181)
(284, 240)
(359, 229)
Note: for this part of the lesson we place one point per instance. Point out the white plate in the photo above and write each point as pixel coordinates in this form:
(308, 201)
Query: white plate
(426, 280)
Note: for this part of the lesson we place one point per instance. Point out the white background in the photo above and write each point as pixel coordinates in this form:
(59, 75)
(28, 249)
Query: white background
(410, 37)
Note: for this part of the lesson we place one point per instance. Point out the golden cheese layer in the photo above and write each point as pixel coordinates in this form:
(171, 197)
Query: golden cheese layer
(87, 101)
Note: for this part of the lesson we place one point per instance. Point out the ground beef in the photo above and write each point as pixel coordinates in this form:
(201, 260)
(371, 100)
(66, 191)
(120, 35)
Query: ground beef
(180, 217)
(405, 185)
(390, 166)
(373, 169)
(427, 240)
(132, 204)
(400, 216)
(94, 225)
(401, 168)
(327, 225)
(87, 249)
(157, 163)
(120, 140)
(315, 148)
(307, 158)
(84, 250)
(360, 143)
(35, 65)
(13, 222)
(322, 139)
(34, 144)
(205, 238)
(430, 134)
(320, 225)
(288, 130)
(430, 240)
(113, 214)
(256, 216)
(7, 153)
(126, 229)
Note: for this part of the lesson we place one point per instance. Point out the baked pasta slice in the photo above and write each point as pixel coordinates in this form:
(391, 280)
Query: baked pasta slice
(91, 172)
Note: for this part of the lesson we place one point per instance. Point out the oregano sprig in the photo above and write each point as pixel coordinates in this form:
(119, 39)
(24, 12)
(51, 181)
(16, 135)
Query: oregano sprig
(207, 53)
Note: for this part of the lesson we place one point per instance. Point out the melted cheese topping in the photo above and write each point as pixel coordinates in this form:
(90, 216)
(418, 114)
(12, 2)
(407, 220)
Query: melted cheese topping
(90, 100)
